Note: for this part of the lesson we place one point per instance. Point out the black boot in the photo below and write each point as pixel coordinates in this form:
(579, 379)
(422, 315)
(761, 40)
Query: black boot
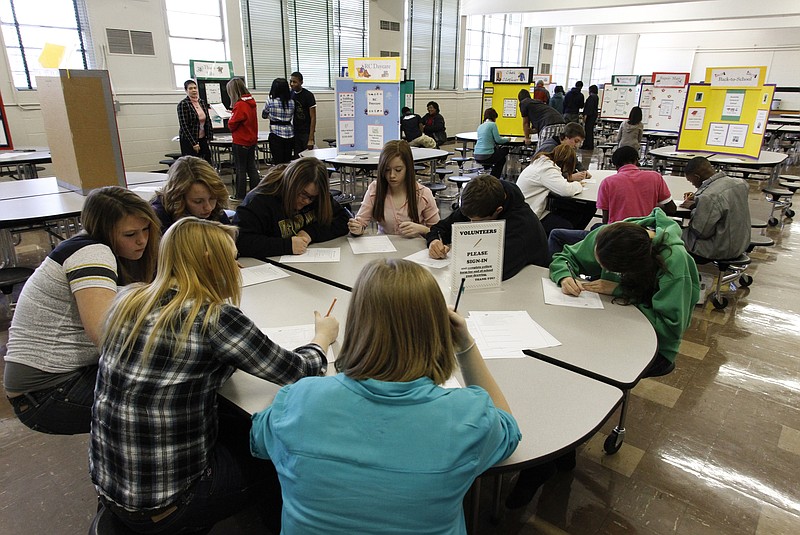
(528, 483)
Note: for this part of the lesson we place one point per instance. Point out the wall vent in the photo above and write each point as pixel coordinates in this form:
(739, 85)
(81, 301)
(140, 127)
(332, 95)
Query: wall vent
(389, 54)
(547, 46)
(545, 68)
(130, 42)
(390, 25)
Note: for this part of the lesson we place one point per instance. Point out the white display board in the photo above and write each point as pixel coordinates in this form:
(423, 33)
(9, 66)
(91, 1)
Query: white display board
(618, 101)
(662, 107)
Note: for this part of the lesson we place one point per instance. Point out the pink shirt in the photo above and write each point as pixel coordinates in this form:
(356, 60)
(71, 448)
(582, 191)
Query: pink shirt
(201, 115)
(632, 192)
(394, 215)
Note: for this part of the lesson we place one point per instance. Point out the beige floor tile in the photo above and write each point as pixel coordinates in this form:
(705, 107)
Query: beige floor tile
(774, 520)
(692, 349)
(789, 440)
(623, 462)
(543, 527)
(657, 392)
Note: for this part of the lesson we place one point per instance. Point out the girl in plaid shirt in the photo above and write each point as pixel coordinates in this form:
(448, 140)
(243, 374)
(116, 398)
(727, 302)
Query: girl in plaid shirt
(279, 109)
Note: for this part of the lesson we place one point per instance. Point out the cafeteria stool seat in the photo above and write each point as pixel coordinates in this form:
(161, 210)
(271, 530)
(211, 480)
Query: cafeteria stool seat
(435, 187)
(791, 186)
(173, 155)
(460, 161)
(757, 223)
(729, 270)
(781, 200)
(10, 277)
(459, 181)
(167, 161)
(331, 141)
(106, 523)
(757, 240)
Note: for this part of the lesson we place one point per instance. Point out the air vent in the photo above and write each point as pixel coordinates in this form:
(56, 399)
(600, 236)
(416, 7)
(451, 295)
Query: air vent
(547, 46)
(389, 54)
(545, 68)
(130, 42)
(390, 25)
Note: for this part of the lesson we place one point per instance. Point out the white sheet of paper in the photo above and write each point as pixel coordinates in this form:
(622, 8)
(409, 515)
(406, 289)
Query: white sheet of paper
(371, 244)
(424, 259)
(316, 254)
(221, 110)
(504, 334)
(554, 296)
(294, 336)
(261, 273)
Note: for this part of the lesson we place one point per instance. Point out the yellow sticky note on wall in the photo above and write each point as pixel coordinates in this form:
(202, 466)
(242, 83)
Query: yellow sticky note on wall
(51, 56)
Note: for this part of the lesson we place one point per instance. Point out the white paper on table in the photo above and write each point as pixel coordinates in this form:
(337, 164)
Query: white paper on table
(261, 273)
(147, 187)
(371, 244)
(346, 157)
(504, 334)
(424, 259)
(317, 254)
(294, 336)
(554, 296)
(589, 181)
(221, 110)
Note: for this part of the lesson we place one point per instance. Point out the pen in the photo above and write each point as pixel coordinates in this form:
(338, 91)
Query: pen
(572, 272)
(330, 309)
(346, 209)
(460, 291)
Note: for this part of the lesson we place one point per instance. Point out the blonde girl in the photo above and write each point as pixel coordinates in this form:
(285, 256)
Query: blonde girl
(157, 444)
(193, 188)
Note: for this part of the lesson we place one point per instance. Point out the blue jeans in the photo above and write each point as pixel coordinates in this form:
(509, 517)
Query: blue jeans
(559, 237)
(233, 481)
(64, 409)
(244, 161)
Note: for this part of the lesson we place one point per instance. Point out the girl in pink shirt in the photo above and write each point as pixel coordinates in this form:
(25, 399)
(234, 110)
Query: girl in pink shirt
(396, 200)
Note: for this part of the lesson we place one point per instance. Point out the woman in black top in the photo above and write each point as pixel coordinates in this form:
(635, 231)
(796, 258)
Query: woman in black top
(195, 123)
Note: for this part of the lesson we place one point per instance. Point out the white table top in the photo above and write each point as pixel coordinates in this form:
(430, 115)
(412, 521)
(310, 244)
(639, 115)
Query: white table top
(33, 187)
(14, 157)
(766, 159)
(555, 408)
(24, 210)
(227, 139)
(792, 128)
(513, 140)
(368, 159)
(794, 119)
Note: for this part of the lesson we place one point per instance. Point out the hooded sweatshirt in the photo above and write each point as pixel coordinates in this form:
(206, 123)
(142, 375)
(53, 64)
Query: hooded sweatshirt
(243, 123)
(677, 288)
(630, 134)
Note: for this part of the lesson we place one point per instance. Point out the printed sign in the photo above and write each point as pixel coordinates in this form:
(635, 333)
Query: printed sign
(374, 69)
(670, 79)
(477, 252)
(347, 105)
(511, 75)
(736, 76)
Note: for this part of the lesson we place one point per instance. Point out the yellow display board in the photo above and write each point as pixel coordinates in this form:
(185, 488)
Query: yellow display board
(725, 120)
(503, 98)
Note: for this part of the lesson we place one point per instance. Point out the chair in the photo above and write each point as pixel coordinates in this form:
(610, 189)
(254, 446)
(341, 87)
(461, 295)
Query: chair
(729, 270)
(780, 199)
(459, 181)
(10, 277)
(106, 523)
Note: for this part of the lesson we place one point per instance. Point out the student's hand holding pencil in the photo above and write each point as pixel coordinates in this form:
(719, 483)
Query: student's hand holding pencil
(437, 249)
(355, 227)
(326, 330)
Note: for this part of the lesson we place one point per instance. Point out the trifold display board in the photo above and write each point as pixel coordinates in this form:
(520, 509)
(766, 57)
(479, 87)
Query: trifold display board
(503, 98)
(620, 96)
(727, 114)
(214, 92)
(367, 114)
(662, 101)
(407, 95)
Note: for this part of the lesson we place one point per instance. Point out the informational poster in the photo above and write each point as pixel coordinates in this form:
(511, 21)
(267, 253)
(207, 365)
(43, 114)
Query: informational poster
(618, 100)
(374, 69)
(375, 137)
(211, 70)
(734, 102)
(510, 107)
(694, 119)
(662, 101)
(347, 132)
(487, 103)
(477, 252)
(670, 79)
(728, 116)
(367, 115)
(347, 105)
(213, 94)
(625, 79)
(511, 75)
(375, 102)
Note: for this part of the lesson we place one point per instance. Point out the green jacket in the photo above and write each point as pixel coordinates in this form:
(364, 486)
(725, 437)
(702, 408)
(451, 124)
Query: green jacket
(678, 286)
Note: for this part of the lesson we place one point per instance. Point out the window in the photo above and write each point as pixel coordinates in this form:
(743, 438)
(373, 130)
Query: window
(492, 41)
(432, 43)
(27, 26)
(196, 31)
(314, 37)
(576, 59)
(534, 45)
(605, 53)
(561, 51)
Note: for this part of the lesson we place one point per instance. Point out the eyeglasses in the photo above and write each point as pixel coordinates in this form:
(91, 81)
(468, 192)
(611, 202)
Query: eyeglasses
(306, 197)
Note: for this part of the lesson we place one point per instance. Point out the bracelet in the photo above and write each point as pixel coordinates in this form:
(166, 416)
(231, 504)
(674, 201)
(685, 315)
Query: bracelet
(467, 350)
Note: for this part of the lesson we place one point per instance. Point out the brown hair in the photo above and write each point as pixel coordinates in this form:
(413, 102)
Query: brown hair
(288, 180)
(564, 157)
(398, 148)
(490, 114)
(102, 212)
(482, 196)
(236, 88)
(398, 327)
(182, 175)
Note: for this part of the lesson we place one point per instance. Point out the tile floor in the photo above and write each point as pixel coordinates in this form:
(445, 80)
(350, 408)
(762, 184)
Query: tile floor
(713, 448)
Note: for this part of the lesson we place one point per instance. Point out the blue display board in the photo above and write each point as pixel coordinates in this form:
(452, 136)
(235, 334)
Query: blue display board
(367, 114)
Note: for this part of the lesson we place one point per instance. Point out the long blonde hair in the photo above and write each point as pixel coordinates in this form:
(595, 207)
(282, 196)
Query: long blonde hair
(196, 261)
(398, 328)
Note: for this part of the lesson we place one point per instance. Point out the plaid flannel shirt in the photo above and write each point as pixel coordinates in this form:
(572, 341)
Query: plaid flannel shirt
(280, 117)
(154, 418)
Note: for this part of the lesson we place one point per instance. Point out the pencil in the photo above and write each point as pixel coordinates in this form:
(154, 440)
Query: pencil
(330, 309)
(346, 209)
(572, 272)
(460, 291)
